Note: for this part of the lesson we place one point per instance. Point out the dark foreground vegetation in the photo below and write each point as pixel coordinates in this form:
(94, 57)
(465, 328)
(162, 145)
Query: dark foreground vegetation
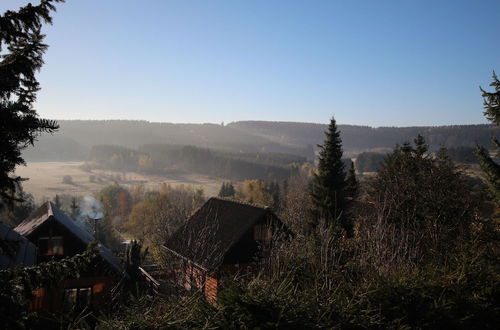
(416, 245)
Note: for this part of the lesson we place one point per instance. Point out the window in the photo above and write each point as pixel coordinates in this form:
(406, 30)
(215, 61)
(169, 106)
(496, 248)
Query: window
(50, 246)
(77, 298)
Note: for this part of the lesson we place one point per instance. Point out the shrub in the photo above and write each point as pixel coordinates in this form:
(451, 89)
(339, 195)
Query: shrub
(67, 179)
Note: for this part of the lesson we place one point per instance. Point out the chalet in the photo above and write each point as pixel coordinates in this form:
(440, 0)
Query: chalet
(17, 250)
(57, 236)
(223, 237)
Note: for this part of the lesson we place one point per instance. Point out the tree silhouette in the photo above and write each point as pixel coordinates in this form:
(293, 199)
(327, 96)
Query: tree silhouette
(329, 183)
(22, 47)
(491, 169)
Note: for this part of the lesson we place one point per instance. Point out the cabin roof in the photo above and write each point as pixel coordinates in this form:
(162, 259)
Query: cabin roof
(26, 251)
(212, 230)
(50, 211)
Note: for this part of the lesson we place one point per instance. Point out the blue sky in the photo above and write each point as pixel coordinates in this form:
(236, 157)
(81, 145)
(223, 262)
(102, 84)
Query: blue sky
(376, 63)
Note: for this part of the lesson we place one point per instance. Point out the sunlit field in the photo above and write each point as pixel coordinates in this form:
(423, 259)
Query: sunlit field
(46, 180)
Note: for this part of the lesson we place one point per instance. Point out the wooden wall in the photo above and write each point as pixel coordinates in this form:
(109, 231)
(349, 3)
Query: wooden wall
(211, 289)
(52, 299)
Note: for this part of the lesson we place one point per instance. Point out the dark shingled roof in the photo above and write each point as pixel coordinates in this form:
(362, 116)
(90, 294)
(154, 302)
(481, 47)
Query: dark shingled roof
(211, 232)
(26, 251)
(50, 211)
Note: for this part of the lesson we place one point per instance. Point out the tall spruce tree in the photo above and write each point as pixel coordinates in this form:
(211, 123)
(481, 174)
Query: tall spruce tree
(21, 49)
(329, 183)
(227, 190)
(352, 187)
(491, 169)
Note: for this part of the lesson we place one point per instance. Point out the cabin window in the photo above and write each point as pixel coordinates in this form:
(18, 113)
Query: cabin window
(51, 246)
(77, 298)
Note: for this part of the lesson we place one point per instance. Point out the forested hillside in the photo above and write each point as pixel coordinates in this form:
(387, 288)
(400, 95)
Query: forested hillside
(362, 138)
(76, 137)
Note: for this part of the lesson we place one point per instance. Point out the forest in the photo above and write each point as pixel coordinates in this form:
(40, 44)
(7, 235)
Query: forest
(75, 138)
(174, 159)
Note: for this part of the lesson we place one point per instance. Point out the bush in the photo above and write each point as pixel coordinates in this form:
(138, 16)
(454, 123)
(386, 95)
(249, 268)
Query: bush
(67, 179)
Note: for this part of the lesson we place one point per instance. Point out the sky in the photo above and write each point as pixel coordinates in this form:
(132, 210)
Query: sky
(375, 63)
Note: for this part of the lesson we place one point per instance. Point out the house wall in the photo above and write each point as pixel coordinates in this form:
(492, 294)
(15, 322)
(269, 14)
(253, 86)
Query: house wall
(52, 299)
(211, 289)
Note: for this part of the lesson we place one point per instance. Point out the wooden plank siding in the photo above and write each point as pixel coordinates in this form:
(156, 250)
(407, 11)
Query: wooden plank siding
(211, 289)
(52, 299)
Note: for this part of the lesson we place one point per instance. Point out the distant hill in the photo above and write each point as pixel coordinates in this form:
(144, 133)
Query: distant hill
(76, 137)
(363, 138)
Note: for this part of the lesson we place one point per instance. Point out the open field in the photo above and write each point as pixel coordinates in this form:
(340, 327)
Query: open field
(46, 180)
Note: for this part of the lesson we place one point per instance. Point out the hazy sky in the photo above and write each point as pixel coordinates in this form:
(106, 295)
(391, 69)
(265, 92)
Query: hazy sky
(370, 62)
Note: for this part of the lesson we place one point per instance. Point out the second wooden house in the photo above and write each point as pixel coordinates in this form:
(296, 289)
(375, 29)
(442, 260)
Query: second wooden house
(224, 237)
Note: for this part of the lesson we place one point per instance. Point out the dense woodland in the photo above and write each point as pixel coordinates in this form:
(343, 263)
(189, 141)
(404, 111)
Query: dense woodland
(174, 159)
(75, 138)
(414, 245)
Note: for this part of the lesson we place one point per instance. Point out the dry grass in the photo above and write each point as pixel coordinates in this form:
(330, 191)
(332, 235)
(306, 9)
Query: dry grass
(45, 180)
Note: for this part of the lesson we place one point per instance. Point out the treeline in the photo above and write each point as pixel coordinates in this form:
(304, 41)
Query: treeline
(76, 137)
(171, 159)
(359, 138)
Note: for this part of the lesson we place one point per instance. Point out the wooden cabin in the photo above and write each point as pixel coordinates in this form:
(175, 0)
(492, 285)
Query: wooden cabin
(57, 236)
(223, 237)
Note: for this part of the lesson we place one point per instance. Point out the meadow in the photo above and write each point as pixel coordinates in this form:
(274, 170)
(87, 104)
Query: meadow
(45, 180)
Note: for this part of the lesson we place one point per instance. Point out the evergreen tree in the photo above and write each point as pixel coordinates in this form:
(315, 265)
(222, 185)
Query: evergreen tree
(21, 47)
(352, 187)
(423, 196)
(74, 207)
(230, 190)
(328, 185)
(223, 190)
(491, 169)
(274, 190)
(57, 201)
(227, 190)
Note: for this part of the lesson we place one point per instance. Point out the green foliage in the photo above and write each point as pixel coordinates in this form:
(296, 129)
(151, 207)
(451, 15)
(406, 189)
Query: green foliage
(425, 197)
(351, 183)
(18, 284)
(19, 210)
(22, 47)
(491, 101)
(491, 172)
(227, 190)
(490, 168)
(463, 154)
(369, 161)
(329, 183)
